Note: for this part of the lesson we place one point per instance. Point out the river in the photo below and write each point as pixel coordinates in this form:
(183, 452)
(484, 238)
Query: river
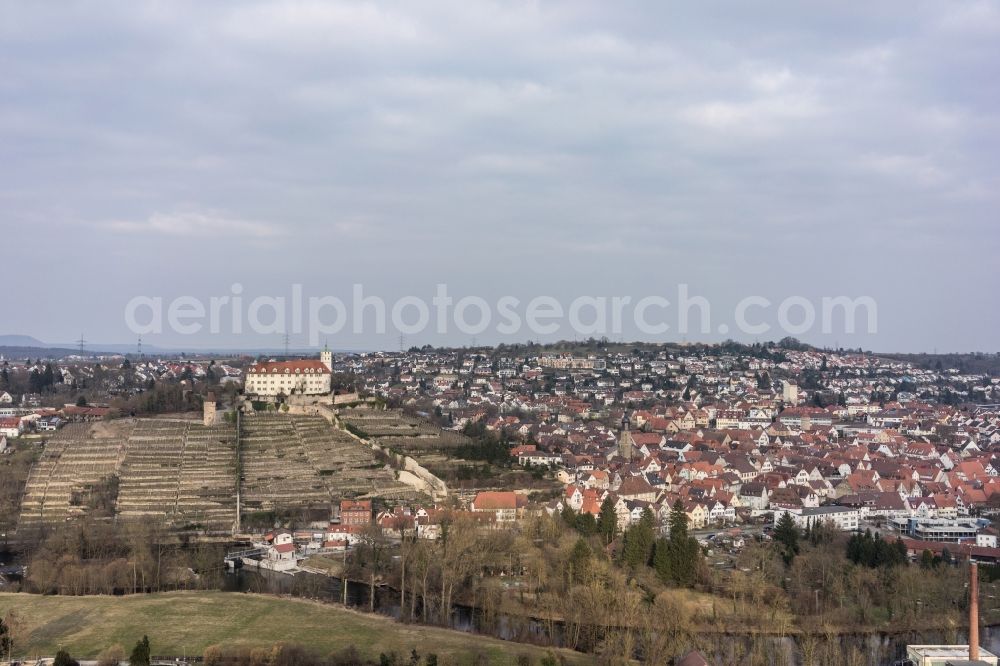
(877, 648)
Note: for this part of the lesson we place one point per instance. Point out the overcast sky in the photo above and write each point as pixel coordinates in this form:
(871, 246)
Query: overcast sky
(525, 148)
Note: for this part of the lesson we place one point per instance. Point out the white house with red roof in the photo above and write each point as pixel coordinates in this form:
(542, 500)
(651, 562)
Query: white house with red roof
(504, 505)
(11, 427)
(573, 497)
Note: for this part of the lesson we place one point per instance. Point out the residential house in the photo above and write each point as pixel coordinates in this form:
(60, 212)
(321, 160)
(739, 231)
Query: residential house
(505, 506)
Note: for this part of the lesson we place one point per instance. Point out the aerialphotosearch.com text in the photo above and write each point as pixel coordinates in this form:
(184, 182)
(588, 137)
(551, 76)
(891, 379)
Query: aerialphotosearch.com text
(319, 317)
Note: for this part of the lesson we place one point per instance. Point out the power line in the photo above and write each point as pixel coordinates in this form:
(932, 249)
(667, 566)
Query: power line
(81, 342)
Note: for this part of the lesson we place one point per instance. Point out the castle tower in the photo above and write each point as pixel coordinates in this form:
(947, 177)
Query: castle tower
(209, 410)
(327, 357)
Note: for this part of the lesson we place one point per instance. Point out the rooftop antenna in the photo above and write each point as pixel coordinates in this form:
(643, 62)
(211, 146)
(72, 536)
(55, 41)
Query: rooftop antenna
(81, 342)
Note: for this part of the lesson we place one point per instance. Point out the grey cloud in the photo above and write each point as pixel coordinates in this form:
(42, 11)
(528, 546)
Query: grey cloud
(531, 147)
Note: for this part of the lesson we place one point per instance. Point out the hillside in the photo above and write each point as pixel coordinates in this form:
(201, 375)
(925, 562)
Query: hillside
(974, 363)
(181, 623)
(20, 341)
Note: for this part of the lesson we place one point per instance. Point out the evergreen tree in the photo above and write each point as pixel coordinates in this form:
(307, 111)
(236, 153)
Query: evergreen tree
(786, 534)
(867, 550)
(579, 561)
(900, 555)
(872, 551)
(639, 541)
(676, 559)
(678, 521)
(63, 659)
(854, 548)
(879, 556)
(5, 640)
(607, 522)
(35, 381)
(140, 653)
(648, 521)
(662, 560)
(586, 524)
(568, 516)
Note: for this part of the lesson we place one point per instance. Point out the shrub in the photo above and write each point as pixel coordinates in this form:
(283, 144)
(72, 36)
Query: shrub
(111, 656)
(63, 659)
(347, 657)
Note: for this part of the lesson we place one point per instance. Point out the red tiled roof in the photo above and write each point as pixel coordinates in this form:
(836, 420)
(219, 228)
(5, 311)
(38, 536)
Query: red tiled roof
(494, 501)
(289, 367)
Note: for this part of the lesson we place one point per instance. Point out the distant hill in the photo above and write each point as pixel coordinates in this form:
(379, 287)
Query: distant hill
(18, 352)
(20, 341)
(26, 346)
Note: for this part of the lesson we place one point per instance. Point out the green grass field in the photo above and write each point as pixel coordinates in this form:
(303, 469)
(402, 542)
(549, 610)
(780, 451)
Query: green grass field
(188, 622)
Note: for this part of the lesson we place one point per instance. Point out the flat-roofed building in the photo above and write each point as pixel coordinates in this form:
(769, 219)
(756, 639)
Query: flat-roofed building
(946, 655)
(842, 517)
(959, 530)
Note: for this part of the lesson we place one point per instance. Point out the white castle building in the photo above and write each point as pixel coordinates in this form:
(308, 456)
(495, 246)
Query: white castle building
(270, 379)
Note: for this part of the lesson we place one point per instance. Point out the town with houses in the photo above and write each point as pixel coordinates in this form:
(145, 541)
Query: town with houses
(306, 466)
(738, 435)
(738, 438)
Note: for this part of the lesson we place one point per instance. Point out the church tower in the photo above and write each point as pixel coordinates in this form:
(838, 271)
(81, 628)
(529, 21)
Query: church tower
(326, 356)
(625, 441)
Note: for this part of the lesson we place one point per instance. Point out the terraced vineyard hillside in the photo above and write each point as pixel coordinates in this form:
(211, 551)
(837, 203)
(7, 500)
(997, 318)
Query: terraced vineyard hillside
(393, 426)
(449, 455)
(409, 435)
(183, 474)
(294, 462)
(167, 470)
(73, 463)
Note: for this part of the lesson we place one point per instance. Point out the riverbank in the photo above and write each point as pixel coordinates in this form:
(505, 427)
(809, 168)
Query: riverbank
(180, 623)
